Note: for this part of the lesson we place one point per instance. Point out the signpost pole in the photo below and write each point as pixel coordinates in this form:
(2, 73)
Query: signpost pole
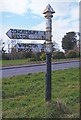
(48, 15)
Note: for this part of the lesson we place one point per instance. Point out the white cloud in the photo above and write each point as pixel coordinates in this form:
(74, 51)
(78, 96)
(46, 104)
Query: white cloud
(37, 6)
(64, 20)
(40, 26)
(59, 30)
(68, 19)
(75, 12)
(21, 6)
(14, 6)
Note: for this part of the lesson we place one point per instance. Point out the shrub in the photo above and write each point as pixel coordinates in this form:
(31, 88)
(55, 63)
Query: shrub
(43, 56)
(0, 56)
(31, 59)
(72, 54)
(6, 56)
(58, 55)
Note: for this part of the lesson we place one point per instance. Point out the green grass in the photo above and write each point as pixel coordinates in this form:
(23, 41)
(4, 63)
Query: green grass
(14, 62)
(27, 61)
(0, 99)
(24, 96)
(18, 62)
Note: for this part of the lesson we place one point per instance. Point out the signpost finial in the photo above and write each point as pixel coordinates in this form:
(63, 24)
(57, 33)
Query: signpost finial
(48, 9)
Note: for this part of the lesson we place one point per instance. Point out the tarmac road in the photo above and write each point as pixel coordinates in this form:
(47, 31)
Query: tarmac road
(25, 69)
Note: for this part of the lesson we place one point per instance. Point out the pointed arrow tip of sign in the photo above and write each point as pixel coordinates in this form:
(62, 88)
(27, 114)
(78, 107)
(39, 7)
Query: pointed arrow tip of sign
(9, 34)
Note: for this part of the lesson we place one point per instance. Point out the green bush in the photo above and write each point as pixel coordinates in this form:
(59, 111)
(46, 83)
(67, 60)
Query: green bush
(17, 55)
(43, 56)
(6, 56)
(31, 59)
(72, 54)
(58, 55)
(78, 54)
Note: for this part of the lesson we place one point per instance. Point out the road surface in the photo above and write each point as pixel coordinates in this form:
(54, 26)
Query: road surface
(19, 70)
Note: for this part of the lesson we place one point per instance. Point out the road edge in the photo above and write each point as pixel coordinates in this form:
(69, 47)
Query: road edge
(31, 65)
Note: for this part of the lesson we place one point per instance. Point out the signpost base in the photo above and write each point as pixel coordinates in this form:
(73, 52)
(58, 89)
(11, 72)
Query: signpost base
(48, 77)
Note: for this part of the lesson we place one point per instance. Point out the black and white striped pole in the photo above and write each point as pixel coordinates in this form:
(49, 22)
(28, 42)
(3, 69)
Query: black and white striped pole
(48, 49)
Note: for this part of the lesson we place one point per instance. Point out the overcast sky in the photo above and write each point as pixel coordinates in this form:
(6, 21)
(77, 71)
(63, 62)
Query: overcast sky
(28, 14)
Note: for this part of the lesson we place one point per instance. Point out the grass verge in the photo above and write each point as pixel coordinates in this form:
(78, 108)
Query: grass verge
(24, 96)
(27, 61)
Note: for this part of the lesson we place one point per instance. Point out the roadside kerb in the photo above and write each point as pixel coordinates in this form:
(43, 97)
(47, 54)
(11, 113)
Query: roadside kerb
(41, 64)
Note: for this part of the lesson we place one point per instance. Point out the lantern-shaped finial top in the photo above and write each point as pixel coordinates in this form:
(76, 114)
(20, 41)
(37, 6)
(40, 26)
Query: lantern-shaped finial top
(48, 9)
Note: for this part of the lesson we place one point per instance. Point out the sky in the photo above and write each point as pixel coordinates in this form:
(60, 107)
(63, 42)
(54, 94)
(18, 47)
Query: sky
(28, 15)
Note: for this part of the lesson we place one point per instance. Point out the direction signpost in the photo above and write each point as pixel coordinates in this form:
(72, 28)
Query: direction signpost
(40, 35)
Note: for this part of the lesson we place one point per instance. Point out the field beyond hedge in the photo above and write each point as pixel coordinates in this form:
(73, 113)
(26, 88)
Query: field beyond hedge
(24, 96)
